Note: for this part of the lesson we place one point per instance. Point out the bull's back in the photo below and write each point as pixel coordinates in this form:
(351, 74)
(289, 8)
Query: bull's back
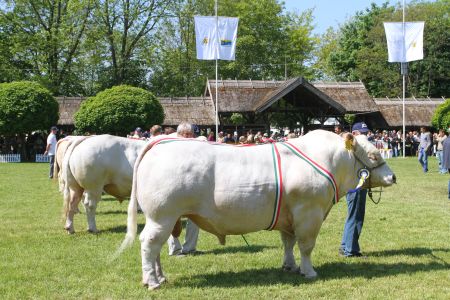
(105, 160)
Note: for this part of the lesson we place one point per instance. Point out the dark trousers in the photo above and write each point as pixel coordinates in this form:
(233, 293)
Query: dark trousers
(52, 163)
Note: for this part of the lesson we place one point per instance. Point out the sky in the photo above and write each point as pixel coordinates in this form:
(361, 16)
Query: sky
(331, 12)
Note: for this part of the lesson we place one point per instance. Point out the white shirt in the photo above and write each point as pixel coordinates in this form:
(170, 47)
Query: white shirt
(51, 140)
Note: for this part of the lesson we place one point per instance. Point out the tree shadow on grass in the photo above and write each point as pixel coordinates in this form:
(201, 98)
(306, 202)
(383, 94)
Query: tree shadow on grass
(327, 271)
(238, 249)
(418, 251)
(349, 268)
(120, 229)
(112, 212)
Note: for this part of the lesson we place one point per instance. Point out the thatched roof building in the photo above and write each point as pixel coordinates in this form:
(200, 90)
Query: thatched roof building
(68, 106)
(351, 95)
(240, 95)
(418, 112)
(259, 98)
(196, 110)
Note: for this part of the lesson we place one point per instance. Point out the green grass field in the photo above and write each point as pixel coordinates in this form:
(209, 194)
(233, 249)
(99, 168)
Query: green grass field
(406, 238)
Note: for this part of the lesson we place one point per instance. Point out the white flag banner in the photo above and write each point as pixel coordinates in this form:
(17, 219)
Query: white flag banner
(216, 44)
(404, 48)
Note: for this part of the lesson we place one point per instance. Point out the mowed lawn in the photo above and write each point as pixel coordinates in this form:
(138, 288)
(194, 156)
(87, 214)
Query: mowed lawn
(406, 238)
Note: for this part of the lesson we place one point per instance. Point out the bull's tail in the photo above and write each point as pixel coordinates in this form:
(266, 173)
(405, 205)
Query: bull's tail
(57, 167)
(133, 205)
(67, 175)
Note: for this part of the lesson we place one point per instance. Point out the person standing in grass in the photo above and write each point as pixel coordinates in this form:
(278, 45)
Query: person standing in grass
(50, 150)
(440, 137)
(424, 146)
(356, 208)
(445, 163)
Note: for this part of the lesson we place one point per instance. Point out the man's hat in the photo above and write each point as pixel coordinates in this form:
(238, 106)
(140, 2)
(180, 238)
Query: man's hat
(138, 129)
(54, 128)
(361, 127)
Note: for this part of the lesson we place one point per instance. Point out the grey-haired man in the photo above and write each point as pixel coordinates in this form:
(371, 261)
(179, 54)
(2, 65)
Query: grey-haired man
(50, 150)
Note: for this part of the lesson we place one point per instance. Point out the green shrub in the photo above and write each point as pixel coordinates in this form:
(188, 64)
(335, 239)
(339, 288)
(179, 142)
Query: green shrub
(25, 107)
(441, 118)
(119, 110)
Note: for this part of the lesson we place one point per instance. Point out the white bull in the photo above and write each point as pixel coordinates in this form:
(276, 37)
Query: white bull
(100, 163)
(229, 190)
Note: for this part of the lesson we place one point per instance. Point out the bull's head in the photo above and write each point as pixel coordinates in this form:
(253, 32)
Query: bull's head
(369, 158)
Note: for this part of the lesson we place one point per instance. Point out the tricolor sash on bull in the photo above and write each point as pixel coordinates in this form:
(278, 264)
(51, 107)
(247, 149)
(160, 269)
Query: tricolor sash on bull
(316, 166)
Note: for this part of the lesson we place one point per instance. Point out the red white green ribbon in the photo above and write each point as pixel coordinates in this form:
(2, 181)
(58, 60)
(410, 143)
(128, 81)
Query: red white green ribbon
(321, 170)
(279, 186)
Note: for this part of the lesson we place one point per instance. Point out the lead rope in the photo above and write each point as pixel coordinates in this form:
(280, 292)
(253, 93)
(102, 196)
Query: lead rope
(370, 194)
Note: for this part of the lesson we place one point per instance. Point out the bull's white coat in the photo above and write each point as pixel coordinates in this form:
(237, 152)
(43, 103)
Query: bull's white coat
(61, 148)
(231, 190)
(97, 164)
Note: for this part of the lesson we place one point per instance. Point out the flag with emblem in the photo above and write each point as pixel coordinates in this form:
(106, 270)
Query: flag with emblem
(407, 47)
(216, 41)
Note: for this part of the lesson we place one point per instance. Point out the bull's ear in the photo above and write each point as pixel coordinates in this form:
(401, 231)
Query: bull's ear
(349, 141)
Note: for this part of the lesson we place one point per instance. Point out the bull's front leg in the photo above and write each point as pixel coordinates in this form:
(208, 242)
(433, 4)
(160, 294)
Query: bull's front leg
(289, 264)
(308, 224)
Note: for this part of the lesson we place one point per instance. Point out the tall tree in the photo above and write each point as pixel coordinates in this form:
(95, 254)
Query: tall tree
(47, 35)
(125, 25)
(361, 51)
(271, 44)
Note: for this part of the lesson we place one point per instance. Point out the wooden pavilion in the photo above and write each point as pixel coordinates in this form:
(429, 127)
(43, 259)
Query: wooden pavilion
(262, 102)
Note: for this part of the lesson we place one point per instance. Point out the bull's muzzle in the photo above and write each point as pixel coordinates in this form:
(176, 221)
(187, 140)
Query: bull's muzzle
(393, 178)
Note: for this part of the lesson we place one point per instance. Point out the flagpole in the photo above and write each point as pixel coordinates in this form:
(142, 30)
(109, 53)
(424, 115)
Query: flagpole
(217, 72)
(404, 68)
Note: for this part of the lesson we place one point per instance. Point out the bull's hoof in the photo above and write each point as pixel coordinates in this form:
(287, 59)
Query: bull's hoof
(94, 231)
(310, 276)
(290, 269)
(69, 230)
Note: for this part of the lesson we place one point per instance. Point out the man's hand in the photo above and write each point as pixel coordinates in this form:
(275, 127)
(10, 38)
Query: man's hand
(45, 153)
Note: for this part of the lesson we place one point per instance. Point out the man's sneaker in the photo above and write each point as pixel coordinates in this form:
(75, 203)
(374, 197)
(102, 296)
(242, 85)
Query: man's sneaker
(193, 253)
(343, 254)
(359, 255)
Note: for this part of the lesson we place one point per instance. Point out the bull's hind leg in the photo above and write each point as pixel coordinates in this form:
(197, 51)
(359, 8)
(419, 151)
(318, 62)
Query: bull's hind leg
(152, 238)
(289, 259)
(74, 197)
(90, 204)
(308, 223)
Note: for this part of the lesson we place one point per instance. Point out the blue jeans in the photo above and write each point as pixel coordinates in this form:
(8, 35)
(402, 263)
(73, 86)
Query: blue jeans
(423, 159)
(395, 151)
(449, 190)
(440, 157)
(356, 207)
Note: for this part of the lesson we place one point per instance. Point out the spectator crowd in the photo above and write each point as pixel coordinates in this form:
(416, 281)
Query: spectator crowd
(389, 141)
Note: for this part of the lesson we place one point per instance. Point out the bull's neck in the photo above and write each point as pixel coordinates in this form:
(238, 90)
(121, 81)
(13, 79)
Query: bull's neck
(346, 171)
